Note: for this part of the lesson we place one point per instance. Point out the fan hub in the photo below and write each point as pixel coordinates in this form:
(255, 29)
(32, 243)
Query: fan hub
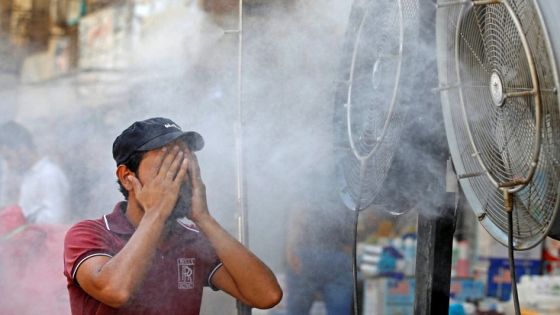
(497, 89)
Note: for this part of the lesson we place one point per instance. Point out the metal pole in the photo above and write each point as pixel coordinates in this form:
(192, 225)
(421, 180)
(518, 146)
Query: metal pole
(241, 197)
(241, 194)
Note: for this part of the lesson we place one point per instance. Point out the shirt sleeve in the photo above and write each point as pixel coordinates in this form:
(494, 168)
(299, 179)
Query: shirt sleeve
(44, 195)
(84, 240)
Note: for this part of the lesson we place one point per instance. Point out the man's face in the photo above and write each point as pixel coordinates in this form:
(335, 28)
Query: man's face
(148, 169)
(14, 158)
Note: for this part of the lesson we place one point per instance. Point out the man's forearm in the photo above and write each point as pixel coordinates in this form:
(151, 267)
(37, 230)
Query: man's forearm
(254, 280)
(124, 272)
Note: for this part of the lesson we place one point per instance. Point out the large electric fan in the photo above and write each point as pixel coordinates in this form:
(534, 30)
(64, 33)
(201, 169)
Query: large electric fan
(371, 109)
(380, 110)
(499, 83)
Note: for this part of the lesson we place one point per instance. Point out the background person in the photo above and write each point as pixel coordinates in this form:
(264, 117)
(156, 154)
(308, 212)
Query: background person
(43, 193)
(318, 254)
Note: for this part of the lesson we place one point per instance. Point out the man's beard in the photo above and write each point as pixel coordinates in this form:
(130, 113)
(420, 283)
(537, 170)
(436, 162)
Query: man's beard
(183, 207)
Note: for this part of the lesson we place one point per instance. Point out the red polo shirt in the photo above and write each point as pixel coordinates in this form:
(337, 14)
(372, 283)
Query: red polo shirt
(173, 285)
(30, 266)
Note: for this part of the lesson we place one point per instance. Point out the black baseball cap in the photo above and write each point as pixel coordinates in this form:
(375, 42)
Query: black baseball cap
(151, 134)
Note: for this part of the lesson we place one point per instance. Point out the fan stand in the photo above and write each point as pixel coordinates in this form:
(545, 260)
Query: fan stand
(435, 233)
(435, 237)
(508, 206)
(433, 262)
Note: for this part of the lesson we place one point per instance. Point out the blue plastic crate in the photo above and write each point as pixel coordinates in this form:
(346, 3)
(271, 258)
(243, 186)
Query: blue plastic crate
(499, 276)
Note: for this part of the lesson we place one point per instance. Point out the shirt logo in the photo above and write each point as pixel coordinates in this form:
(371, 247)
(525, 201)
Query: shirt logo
(185, 267)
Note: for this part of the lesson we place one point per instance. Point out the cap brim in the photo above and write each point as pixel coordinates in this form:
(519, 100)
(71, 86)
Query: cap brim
(193, 139)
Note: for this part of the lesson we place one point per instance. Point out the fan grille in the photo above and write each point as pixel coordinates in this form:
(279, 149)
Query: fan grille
(371, 119)
(490, 114)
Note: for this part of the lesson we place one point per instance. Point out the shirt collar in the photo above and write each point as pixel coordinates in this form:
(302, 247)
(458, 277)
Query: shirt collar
(117, 221)
(41, 163)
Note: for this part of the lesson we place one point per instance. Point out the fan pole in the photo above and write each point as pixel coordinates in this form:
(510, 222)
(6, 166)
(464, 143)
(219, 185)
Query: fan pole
(240, 180)
(241, 194)
(508, 206)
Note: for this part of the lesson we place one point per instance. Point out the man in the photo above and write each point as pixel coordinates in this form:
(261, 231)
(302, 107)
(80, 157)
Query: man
(44, 191)
(31, 233)
(145, 257)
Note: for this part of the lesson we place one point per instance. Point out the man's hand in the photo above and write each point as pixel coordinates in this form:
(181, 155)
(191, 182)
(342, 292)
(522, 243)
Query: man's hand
(108, 279)
(199, 203)
(159, 194)
(243, 275)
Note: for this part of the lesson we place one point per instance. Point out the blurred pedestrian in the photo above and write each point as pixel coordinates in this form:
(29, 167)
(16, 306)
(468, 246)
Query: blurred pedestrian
(318, 254)
(43, 193)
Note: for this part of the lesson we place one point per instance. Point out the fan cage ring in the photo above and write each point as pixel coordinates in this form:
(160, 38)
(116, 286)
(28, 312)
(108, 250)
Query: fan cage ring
(500, 96)
(379, 139)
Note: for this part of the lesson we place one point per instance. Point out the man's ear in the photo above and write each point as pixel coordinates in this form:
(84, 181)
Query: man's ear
(123, 174)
